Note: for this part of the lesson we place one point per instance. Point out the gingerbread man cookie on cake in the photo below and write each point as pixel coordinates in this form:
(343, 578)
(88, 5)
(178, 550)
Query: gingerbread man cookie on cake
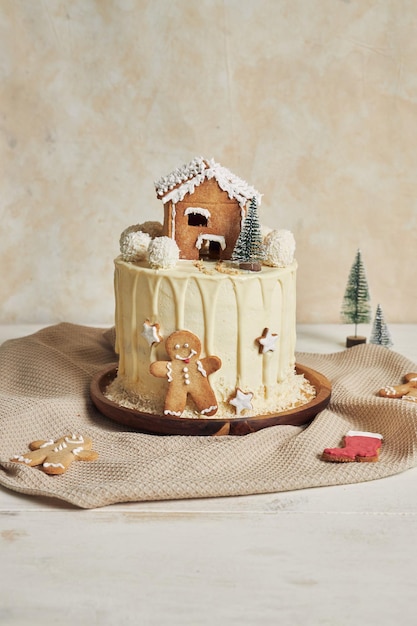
(187, 374)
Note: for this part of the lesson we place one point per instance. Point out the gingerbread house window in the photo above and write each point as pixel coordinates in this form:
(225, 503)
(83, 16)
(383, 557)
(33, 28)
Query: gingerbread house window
(197, 216)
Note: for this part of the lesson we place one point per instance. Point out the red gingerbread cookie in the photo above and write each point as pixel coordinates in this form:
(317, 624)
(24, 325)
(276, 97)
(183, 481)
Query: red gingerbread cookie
(187, 374)
(359, 446)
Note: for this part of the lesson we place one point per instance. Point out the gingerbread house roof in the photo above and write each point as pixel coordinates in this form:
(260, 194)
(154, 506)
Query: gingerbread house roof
(185, 179)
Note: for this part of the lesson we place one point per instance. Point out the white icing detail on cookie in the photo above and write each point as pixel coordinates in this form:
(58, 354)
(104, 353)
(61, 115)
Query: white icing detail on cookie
(180, 175)
(242, 401)
(169, 372)
(21, 459)
(268, 342)
(61, 447)
(151, 332)
(186, 178)
(390, 391)
(173, 214)
(77, 451)
(209, 409)
(75, 439)
(201, 369)
(53, 465)
(409, 398)
(232, 184)
(208, 237)
(47, 443)
(174, 413)
(361, 433)
(179, 194)
(196, 210)
(186, 358)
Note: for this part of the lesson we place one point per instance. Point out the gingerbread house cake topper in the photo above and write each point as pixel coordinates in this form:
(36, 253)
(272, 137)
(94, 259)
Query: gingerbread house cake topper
(204, 208)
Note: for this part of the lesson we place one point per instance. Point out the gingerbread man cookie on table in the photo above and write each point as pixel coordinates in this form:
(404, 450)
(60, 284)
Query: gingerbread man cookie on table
(55, 456)
(405, 391)
(187, 374)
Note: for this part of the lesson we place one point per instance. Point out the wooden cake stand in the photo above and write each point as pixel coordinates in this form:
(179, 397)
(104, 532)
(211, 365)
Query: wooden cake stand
(168, 425)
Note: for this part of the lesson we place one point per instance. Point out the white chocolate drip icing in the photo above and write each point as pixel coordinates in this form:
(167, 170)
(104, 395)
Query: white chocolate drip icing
(228, 312)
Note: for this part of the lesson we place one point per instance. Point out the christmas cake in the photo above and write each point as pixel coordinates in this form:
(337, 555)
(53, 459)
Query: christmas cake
(206, 304)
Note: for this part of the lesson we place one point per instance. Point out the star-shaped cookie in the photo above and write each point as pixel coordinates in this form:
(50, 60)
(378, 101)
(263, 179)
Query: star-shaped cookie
(242, 401)
(151, 332)
(267, 341)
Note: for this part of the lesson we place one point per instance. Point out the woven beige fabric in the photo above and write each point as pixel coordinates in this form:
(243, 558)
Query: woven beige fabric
(44, 393)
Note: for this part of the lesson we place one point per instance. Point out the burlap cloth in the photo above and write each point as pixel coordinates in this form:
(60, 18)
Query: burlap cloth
(44, 393)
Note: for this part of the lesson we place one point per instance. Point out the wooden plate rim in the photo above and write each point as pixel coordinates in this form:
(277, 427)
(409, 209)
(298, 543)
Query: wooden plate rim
(163, 425)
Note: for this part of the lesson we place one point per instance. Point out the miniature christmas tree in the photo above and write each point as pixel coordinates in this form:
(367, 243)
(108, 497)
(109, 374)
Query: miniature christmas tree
(356, 309)
(380, 333)
(249, 250)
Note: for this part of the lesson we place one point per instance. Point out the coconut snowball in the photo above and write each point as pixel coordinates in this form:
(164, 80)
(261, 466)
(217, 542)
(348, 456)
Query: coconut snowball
(134, 245)
(279, 248)
(153, 229)
(163, 253)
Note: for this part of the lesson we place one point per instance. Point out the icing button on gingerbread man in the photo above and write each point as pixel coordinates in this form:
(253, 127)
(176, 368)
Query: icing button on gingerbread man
(187, 374)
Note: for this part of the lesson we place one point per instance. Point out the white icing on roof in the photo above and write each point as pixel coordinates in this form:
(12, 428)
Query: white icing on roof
(185, 179)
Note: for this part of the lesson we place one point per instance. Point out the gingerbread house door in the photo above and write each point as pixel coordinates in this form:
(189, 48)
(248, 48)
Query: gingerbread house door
(210, 246)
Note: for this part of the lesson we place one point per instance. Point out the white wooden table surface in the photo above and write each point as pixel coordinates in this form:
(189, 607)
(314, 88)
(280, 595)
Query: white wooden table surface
(332, 555)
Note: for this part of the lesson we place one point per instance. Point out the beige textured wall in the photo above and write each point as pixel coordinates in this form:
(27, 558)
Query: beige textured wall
(313, 102)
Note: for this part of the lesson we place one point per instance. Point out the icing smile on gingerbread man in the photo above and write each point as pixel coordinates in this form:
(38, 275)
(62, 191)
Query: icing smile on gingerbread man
(187, 374)
(189, 356)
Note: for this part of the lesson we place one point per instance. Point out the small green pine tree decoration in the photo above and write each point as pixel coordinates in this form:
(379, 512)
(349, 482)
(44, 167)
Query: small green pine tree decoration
(380, 333)
(356, 308)
(249, 249)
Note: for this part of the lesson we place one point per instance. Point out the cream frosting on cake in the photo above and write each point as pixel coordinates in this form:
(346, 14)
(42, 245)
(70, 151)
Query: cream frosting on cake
(244, 322)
